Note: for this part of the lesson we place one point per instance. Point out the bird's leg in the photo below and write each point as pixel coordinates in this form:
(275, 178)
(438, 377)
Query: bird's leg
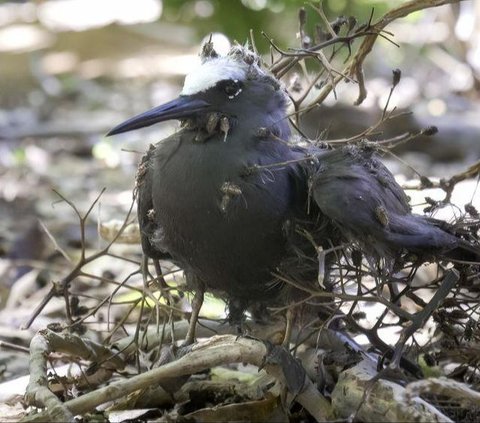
(147, 277)
(196, 306)
(161, 280)
(164, 288)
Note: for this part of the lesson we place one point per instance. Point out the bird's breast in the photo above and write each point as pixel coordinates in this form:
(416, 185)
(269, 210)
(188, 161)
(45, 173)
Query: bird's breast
(217, 219)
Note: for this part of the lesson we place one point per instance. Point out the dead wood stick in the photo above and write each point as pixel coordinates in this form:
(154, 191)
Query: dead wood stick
(216, 351)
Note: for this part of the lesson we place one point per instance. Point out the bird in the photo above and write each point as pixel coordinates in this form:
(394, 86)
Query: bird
(234, 202)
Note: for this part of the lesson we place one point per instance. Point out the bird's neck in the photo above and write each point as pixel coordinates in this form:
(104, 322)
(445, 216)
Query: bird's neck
(273, 122)
(277, 124)
(269, 114)
(207, 125)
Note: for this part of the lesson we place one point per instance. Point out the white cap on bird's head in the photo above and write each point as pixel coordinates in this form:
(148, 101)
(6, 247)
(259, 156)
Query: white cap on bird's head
(240, 63)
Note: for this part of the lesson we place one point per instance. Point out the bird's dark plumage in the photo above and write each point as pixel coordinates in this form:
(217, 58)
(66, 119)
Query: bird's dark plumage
(361, 197)
(224, 196)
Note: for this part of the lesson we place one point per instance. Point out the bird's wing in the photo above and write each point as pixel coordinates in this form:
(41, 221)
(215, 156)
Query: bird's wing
(355, 176)
(360, 195)
(149, 228)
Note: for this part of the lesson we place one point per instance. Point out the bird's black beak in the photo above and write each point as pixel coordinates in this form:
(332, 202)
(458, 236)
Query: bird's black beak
(180, 108)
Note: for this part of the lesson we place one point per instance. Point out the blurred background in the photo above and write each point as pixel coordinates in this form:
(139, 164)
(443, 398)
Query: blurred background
(72, 69)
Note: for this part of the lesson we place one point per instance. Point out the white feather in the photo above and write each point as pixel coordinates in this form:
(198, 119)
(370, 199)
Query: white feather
(211, 72)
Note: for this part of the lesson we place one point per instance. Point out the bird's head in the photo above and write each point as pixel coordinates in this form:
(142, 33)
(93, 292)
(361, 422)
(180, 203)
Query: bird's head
(234, 86)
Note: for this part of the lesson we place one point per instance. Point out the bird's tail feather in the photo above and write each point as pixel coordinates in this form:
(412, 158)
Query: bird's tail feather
(425, 235)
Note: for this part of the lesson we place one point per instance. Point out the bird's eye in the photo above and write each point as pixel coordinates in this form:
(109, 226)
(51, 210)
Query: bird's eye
(232, 88)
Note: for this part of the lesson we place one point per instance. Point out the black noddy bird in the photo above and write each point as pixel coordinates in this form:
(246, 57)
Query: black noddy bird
(224, 196)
